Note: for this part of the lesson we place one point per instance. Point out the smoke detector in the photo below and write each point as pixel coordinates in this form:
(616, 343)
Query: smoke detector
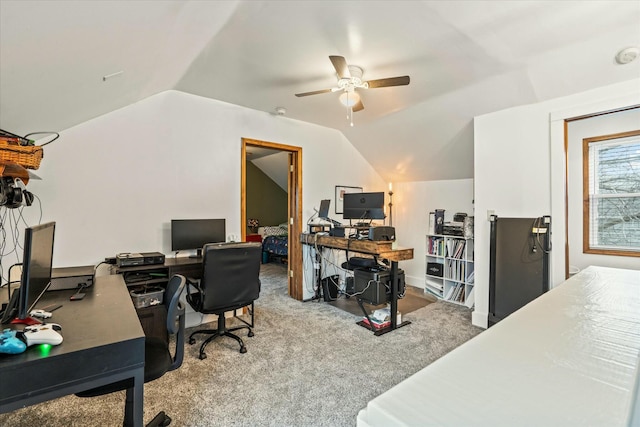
(281, 111)
(627, 55)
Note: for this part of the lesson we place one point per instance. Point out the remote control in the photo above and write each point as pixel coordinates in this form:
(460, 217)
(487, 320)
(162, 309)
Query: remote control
(47, 333)
(10, 344)
(40, 313)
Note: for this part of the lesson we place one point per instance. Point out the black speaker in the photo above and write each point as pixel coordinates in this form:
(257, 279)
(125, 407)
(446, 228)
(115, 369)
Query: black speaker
(330, 287)
(349, 286)
(383, 233)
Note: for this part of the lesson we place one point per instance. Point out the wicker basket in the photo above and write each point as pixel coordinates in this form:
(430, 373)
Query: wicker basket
(27, 156)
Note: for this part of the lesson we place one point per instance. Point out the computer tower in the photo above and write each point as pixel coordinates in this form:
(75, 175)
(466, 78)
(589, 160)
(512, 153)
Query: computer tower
(374, 285)
(330, 286)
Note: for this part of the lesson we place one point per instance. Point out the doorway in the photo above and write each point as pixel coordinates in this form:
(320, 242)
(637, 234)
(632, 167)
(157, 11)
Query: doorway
(600, 130)
(294, 207)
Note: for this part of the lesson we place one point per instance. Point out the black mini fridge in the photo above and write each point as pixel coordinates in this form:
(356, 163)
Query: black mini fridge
(519, 263)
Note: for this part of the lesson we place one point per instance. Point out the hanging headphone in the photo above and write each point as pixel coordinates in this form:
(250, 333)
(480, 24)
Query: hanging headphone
(13, 193)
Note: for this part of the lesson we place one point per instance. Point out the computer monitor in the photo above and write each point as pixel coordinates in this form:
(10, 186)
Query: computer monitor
(36, 268)
(189, 234)
(323, 212)
(363, 206)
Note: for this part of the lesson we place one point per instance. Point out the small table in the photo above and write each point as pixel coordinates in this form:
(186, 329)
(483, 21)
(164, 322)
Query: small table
(103, 343)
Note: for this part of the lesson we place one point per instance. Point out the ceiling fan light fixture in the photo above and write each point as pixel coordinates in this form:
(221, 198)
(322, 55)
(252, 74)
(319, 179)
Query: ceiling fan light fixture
(349, 99)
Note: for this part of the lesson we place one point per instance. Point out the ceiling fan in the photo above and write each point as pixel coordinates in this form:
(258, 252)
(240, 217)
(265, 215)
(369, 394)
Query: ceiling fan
(350, 79)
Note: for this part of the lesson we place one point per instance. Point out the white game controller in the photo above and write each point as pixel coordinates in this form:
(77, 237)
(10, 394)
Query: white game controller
(47, 333)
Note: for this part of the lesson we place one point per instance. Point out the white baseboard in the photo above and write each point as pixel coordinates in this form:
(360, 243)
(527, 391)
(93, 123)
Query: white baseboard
(480, 319)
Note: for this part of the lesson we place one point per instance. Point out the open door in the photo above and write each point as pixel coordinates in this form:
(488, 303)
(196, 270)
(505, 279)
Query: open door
(294, 208)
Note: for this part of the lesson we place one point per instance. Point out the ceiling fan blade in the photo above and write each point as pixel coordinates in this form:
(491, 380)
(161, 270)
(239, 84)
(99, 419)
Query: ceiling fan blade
(340, 64)
(315, 92)
(358, 106)
(391, 81)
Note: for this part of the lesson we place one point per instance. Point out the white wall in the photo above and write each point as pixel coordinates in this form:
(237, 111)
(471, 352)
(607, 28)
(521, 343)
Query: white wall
(113, 183)
(519, 170)
(412, 202)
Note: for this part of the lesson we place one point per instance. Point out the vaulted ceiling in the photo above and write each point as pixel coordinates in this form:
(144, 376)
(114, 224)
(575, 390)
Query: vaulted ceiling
(465, 58)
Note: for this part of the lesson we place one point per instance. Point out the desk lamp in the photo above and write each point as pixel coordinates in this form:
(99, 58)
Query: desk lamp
(390, 204)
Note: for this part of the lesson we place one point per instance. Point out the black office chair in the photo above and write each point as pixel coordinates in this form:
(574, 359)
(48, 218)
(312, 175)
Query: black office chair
(157, 353)
(230, 281)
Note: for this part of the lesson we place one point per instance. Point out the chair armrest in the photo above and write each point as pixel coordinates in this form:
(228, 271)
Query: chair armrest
(179, 352)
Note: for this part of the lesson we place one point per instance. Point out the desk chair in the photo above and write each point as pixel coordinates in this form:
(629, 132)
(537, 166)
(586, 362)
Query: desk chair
(230, 281)
(157, 354)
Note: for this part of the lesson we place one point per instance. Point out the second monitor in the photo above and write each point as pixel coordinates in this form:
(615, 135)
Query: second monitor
(364, 206)
(189, 234)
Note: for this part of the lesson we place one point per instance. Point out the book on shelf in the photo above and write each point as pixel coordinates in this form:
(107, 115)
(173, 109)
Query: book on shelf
(459, 249)
(449, 293)
(456, 293)
(469, 302)
(435, 246)
(435, 284)
(470, 277)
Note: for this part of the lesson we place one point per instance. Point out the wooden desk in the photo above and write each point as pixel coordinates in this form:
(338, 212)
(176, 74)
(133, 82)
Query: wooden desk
(382, 250)
(103, 343)
(379, 249)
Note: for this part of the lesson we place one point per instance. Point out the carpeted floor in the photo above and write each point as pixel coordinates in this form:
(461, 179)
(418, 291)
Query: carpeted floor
(308, 364)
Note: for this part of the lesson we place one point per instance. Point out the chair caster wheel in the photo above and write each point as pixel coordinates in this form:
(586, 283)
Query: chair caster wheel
(192, 341)
(160, 420)
(202, 356)
(243, 349)
(250, 334)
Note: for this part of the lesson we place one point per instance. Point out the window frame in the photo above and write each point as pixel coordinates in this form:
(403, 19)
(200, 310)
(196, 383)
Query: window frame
(586, 202)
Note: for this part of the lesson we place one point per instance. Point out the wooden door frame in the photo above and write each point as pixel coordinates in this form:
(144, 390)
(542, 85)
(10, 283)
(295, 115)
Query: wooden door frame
(294, 208)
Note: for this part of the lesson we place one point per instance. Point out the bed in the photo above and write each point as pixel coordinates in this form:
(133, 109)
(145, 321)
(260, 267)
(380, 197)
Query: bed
(571, 357)
(274, 243)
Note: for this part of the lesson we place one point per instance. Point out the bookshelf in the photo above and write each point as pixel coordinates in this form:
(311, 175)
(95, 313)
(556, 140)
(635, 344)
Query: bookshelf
(449, 268)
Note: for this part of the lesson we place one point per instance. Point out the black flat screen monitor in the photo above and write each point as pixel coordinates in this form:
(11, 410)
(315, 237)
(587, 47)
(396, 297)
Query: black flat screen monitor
(36, 267)
(363, 206)
(189, 234)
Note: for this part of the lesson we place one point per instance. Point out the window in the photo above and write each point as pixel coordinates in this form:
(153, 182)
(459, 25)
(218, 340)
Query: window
(611, 194)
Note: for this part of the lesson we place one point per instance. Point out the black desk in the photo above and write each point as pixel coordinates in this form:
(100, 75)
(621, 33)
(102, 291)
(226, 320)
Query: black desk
(103, 343)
